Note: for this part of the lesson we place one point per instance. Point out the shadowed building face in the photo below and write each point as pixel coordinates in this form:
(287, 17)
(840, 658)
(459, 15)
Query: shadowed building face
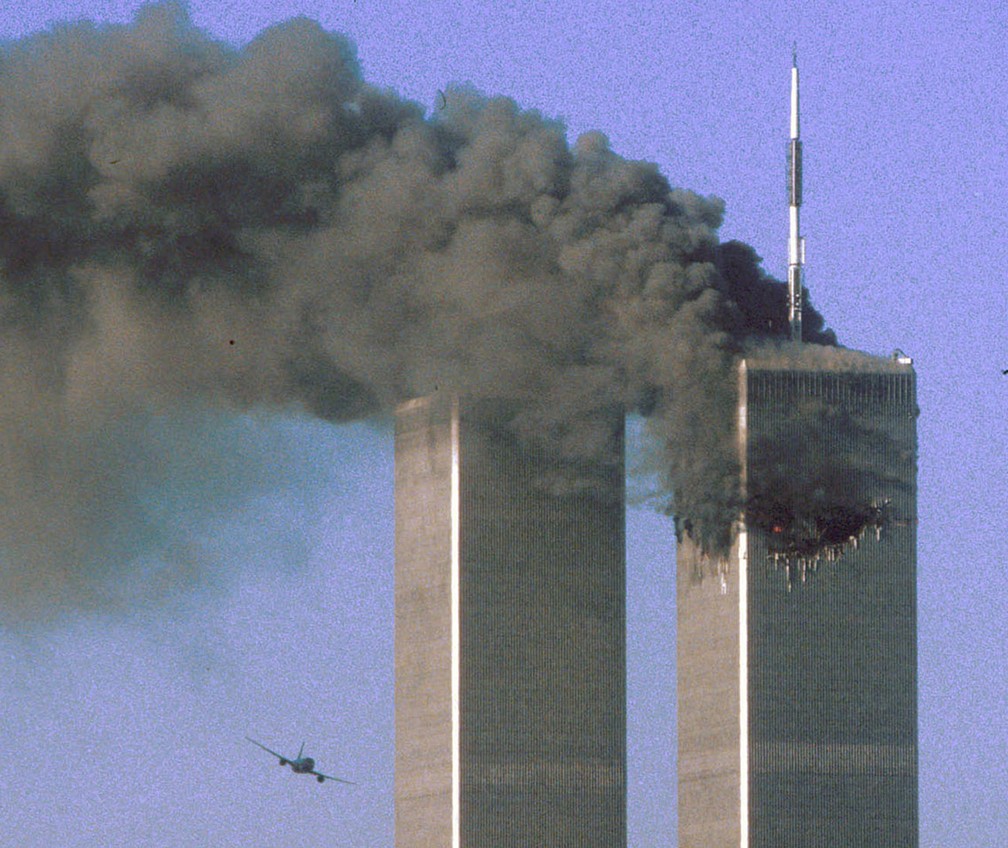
(509, 637)
(797, 670)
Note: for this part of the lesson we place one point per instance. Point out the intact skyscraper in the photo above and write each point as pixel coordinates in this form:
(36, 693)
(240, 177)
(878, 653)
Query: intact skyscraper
(509, 637)
(797, 654)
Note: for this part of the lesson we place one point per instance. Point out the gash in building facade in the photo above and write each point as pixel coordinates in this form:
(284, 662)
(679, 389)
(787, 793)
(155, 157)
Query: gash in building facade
(797, 667)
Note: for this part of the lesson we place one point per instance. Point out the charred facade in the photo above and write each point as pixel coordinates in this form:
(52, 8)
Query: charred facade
(797, 678)
(509, 637)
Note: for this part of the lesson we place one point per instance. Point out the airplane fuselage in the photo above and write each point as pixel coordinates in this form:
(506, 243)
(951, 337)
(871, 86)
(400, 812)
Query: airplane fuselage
(298, 764)
(305, 765)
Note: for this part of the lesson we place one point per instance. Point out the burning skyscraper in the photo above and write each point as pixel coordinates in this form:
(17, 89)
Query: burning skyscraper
(509, 635)
(193, 225)
(797, 678)
(797, 664)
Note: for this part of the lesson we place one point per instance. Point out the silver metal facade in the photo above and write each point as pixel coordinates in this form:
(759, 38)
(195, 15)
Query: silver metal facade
(710, 603)
(798, 709)
(424, 483)
(510, 640)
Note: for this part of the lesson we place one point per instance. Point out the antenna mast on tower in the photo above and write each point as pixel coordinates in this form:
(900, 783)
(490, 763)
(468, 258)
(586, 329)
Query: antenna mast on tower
(796, 244)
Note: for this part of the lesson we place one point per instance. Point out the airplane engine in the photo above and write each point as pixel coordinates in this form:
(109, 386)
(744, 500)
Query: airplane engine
(283, 762)
(320, 778)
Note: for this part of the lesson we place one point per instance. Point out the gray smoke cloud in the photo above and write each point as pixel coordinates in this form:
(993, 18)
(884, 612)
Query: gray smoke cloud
(188, 224)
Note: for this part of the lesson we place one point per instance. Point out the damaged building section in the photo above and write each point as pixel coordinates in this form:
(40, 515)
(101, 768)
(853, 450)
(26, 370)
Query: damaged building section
(797, 709)
(825, 458)
(799, 545)
(828, 456)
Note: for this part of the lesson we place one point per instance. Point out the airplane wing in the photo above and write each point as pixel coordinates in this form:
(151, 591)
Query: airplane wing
(330, 777)
(268, 750)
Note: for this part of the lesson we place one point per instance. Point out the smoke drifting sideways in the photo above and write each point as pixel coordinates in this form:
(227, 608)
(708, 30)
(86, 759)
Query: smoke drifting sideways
(190, 225)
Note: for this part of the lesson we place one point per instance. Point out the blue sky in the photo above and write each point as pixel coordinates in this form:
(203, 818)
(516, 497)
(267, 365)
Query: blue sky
(127, 728)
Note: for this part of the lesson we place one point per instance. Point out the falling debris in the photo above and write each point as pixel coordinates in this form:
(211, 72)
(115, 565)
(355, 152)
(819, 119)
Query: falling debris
(826, 533)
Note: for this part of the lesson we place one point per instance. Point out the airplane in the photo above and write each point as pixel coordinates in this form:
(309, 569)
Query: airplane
(300, 764)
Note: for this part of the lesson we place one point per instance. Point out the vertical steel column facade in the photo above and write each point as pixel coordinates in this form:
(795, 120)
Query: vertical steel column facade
(510, 640)
(798, 710)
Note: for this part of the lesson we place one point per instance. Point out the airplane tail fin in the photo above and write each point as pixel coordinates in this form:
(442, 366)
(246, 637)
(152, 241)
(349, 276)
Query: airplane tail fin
(301, 751)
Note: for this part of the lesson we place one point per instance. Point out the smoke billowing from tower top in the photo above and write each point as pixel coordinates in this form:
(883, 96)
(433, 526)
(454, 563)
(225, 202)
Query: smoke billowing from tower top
(185, 222)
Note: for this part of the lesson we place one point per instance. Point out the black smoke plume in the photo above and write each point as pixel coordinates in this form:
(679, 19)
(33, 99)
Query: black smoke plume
(830, 461)
(185, 223)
